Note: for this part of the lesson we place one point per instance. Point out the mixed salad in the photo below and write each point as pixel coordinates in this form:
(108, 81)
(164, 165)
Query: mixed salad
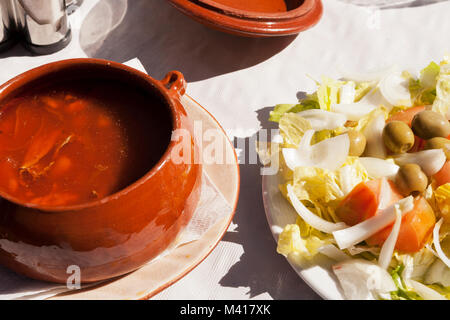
(366, 165)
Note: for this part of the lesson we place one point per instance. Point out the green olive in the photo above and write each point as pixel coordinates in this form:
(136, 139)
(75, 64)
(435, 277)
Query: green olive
(429, 124)
(398, 137)
(439, 143)
(410, 179)
(357, 143)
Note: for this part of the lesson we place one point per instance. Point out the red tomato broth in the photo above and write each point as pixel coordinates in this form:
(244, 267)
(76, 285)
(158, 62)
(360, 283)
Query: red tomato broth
(75, 142)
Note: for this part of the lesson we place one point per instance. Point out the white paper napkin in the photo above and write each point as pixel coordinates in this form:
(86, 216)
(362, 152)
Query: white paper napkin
(211, 208)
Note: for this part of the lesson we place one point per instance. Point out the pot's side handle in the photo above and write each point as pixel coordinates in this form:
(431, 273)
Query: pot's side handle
(174, 82)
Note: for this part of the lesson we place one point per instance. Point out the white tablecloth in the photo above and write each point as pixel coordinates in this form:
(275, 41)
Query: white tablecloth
(238, 80)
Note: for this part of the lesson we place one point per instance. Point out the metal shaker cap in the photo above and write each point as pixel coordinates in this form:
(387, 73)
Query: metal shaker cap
(43, 23)
(7, 37)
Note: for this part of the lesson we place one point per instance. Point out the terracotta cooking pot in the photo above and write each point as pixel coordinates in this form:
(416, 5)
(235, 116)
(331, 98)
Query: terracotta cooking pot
(256, 18)
(117, 234)
(263, 9)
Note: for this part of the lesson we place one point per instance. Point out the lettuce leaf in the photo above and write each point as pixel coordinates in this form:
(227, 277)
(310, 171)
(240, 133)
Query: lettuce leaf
(402, 293)
(361, 89)
(322, 188)
(445, 291)
(351, 174)
(364, 121)
(442, 102)
(429, 75)
(281, 109)
(316, 185)
(423, 89)
(292, 128)
(300, 249)
(290, 240)
(442, 200)
(328, 93)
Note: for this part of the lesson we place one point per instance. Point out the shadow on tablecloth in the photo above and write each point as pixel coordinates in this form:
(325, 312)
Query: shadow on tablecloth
(269, 272)
(164, 39)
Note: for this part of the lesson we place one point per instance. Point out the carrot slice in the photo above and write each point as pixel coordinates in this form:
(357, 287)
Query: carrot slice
(415, 231)
(443, 175)
(360, 203)
(363, 201)
(419, 144)
(407, 115)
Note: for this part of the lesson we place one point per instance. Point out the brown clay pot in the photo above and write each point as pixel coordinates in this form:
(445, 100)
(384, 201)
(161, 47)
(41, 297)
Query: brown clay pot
(254, 18)
(119, 233)
(274, 10)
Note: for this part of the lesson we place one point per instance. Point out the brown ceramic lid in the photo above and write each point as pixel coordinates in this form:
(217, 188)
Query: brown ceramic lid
(215, 19)
(261, 9)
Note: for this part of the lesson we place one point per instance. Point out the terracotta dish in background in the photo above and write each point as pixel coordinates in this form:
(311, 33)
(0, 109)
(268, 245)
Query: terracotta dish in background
(264, 18)
(263, 10)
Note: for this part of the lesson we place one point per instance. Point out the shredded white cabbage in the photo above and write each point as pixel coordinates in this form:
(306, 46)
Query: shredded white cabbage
(310, 218)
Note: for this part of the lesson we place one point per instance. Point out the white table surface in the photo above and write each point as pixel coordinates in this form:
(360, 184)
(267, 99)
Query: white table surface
(238, 80)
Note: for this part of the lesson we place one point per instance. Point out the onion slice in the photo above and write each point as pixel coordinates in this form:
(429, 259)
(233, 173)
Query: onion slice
(378, 168)
(385, 198)
(363, 280)
(323, 120)
(328, 154)
(387, 250)
(395, 89)
(334, 253)
(351, 236)
(431, 161)
(424, 291)
(437, 244)
(374, 136)
(353, 111)
(374, 75)
(310, 218)
(347, 93)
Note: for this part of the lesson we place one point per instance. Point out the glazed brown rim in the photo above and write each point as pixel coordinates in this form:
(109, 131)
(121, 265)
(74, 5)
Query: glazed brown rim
(33, 74)
(303, 9)
(248, 27)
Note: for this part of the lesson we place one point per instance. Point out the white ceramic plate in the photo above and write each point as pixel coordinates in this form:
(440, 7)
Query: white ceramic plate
(279, 213)
(160, 274)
